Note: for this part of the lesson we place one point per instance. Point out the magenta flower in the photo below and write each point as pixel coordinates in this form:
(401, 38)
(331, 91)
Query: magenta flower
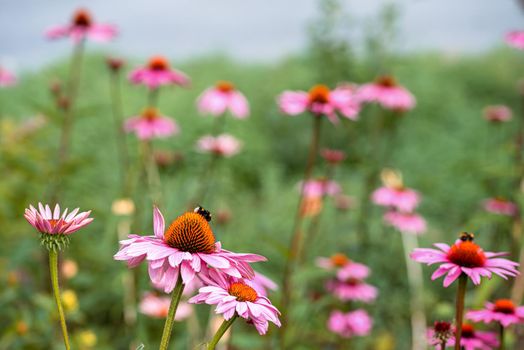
(321, 102)
(224, 145)
(234, 296)
(345, 268)
(500, 206)
(515, 39)
(332, 156)
(475, 340)
(347, 325)
(56, 222)
(223, 96)
(151, 124)
(406, 222)
(156, 306)
(352, 289)
(401, 198)
(465, 257)
(7, 78)
(187, 247)
(320, 187)
(158, 73)
(386, 92)
(502, 311)
(498, 114)
(441, 332)
(82, 27)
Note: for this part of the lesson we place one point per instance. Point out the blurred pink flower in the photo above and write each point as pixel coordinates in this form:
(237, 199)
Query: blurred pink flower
(345, 268)
(7, 78)
(406, 222)
(503, 311)
(386, 92)
(320, 187)
(500, 206)
(82, 27)
(333, 156)
(321, 102)
(498, 113)
(515, 39)
(158, 73)
(223, 145)
(352, 289)
(56, 222)
(158, 306)
(475, 340)
(355, 323)
(234, 296)
(223, 96)
(150, 124)
(465, 257)
(441, 332)
(401, 198)
(187, 247)
(344, 202)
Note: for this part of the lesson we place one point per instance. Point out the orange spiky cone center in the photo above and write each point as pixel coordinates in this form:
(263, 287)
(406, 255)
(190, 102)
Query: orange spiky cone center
(225, 86)
(467, 330)
(243, 292)
(150, 113)
(319, 94)
(504, 306)
(386, 81)
(190, 232)
(52, 222)
(158, 63)
(339, 260)
(467, 254)
(82, 18)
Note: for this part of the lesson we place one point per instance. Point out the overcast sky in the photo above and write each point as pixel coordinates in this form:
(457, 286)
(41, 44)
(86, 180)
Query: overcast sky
(245, 29)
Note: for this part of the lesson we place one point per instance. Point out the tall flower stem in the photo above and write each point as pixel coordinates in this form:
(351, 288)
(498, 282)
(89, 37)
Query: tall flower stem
(53, 270)
(151, 170)
(443, 345)
(220, 332)
(120, 137)
(501, 337)
(297, 234)
(152, 97)
(170, 320)
(459, 308)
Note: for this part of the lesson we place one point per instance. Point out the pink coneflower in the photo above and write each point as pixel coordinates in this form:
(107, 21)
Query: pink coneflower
(157, 73)
(515, 39)
(503, 311)
(386, 92)
(351, 324)
(224, 145)
(399, 197)
(465, 257)
(344, 267)
(498, 114)
(115, 64)
(475, 340)
(500, 206)
(187, 247)
(320, 100)
(6, 78)
(332, 156)
(82, 27)
(233, 296)
(320, 187)
(352, 289)
(440, 334)
(158, 306)
(56, 222)
(151, 124)
(406, 222)
(218, 99)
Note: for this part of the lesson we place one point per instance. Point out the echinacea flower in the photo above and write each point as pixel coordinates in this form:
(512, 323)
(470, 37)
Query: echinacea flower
(224, 145)
(500, 206)
(320, 187)
(157, 73)
(6, 78)
(83, 27)
(441, 333)
(233, 296)
(187, 248)
(352, 289)
(465, 257)
(498, 114)
(473, 339)
(321, 101)
(332, 156)
(347, 325)
(157, 306)
(151, 124)
(399, 197)
(386, 92)
(406, 222)
(515, 39)
(223, 96)
(503, 311)
(344, 267)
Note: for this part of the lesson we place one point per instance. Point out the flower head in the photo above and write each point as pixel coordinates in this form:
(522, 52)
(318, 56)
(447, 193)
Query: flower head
(440, 333)
(222, 145)
(223, 96)
(114, 64)
(332, 156)
(82, 27)
(503, 311)
(6, 78)
(386, 92)
(347, 325)
(187, 247)
(157, 73)
(473, 339)
(234, 296)
(321, 187)
(498, 114)
(158, 306)
(465, 257)
(344, 267)
(500, 206)
(352, 289)
(394, 194)
(515, 39)
(406, 222)
(151, 124)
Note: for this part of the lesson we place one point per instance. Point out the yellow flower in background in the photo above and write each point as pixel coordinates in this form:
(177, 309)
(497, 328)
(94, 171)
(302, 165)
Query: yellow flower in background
(70, 300)
(87, 339)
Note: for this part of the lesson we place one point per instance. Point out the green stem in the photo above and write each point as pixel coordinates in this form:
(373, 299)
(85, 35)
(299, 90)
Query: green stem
(53, 269)
(501, 336)
(459, 310)
(152, 98)
(170, 320)
(152, 174)
(220, 332)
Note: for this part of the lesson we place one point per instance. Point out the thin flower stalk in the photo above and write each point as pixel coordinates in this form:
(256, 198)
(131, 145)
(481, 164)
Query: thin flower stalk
(459, 308)
(151, 171)
(220, 332)
(168, 326)
(501, 337)
(53, 270)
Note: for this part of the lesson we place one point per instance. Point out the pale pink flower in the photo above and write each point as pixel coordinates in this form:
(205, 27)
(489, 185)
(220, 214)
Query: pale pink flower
(187, 247)
(473, 339)
(332, 156)
(151, 124)
(321, 101)
(83, 27)
(500, 206)
(158, 73)
(344, 267)
(347, 325)
(386, 92)
(498, 113)
(401, 198)
(515, 39)
(406, 222)
(56, 222)
(320, 187)
(222, 145)
(234, 296)
(466, 257)
(222, 97)
(352, 289)
(156, 306)
(7, 78)
(503, 311)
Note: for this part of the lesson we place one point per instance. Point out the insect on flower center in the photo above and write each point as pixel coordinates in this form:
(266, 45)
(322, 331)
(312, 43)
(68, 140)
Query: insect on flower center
(158, 63)
(504, 306)
(190, 232)
(339, 259)
(319, 94)
(468, 331)
(243, 292)
(467, 254)
(225, 86)
(150, 113)
(82, 18)
(386, 81)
